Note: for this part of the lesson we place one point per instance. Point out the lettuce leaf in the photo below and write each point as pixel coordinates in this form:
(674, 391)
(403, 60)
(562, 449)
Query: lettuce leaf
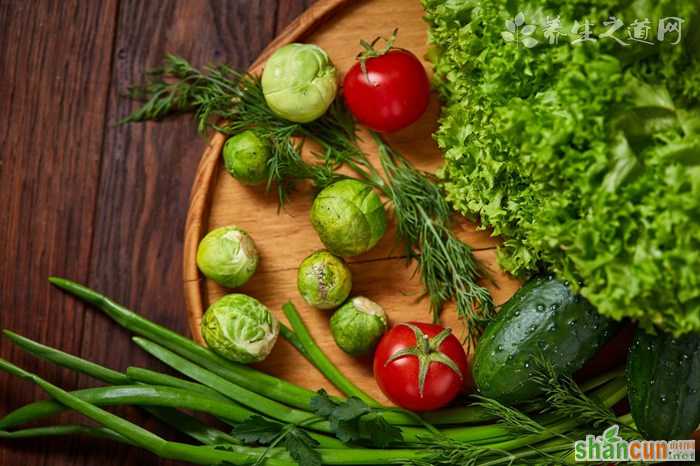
(585, 158)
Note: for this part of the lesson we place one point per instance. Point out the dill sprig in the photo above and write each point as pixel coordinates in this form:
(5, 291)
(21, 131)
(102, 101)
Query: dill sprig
(449, 452)
(512, 419)
(229, 101)
(447, 266)
(563, 396)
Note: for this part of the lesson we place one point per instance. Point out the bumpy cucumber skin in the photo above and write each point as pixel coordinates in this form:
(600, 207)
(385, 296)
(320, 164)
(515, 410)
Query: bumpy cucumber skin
(663, 381)
(543, 318)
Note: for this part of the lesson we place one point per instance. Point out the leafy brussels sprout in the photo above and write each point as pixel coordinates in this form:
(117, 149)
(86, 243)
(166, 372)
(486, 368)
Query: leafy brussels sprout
(299, 82)
(324, 280)
(228, 256)
(358, 325)
(349, 217)
(240, 328)
(245, 157)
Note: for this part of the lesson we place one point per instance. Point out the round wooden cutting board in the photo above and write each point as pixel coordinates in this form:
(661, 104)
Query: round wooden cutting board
(285, 238)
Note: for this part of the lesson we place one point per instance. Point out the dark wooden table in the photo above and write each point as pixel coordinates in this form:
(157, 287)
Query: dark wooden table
(99, 203)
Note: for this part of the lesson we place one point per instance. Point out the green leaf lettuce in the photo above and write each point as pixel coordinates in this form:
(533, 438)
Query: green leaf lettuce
(585, 158)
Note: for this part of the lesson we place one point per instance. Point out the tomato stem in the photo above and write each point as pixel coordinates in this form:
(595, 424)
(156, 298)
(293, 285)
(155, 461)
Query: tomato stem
(370, 52)
(427, 350)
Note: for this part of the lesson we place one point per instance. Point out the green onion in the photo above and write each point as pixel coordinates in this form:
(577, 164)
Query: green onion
(322, 362)
(292, 338)
(244, 376)
(136, 395)
(235, 392)
(133, 433)
(54, 431)
(191, 426)
(68, 360)
(149, 377)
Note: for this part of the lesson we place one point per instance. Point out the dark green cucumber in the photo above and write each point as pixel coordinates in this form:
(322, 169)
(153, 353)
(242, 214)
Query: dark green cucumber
(663, 381)
(544, 318)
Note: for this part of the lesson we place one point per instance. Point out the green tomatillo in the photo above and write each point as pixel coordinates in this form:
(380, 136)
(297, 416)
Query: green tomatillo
(324, 280)
(349, 217)
(240, 328)
(358, 325)
(228, 256)
(299, 82)
(245, 157)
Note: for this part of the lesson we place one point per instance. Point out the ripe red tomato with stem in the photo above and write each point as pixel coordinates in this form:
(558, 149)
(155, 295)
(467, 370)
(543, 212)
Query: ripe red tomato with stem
(420, 366)
(386, 89)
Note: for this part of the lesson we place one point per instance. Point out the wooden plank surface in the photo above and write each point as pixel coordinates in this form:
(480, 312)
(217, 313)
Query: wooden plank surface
(92, 201)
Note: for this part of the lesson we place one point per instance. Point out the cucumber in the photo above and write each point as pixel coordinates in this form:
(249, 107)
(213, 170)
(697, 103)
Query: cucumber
(543, 319)
(663, 382)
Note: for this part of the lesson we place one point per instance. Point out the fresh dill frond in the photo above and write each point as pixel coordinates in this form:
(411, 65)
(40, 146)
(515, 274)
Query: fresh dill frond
(177, 87)
(447, 266)
(449, 452)
(229, 101)
(512, 419)
(564, 397)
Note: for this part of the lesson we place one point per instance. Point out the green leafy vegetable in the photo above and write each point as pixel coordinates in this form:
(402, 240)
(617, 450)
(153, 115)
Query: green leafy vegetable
(447, 265)
(584, 157)
(257, 429)
(301, 447)
(352, 420)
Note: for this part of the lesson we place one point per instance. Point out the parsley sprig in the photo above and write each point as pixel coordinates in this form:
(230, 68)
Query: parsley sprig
(259, 430)
(353, 421)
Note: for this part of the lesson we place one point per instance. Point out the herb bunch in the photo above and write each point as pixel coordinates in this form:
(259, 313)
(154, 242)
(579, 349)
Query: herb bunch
(353, 420)
(563, 396)
(447, 266)
(567, 414)
(228, 101)
(259, 430)
(447, 452)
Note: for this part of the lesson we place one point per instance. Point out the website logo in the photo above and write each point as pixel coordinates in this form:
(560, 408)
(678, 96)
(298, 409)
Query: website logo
(611, 447)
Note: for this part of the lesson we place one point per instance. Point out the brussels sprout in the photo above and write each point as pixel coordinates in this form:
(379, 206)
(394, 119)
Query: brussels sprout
(324, 280)
(245, 157)
(299, 82)
(358, 325)
(349, 217)
(240, 328)
(228, 256)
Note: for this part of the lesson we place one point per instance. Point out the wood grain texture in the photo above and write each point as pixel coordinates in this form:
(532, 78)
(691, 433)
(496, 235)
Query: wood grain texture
(284, 239)
(55, 80)
(96, 202)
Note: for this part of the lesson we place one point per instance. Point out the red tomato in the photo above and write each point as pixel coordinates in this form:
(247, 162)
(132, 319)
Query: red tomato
(392, 94)
(407, 348)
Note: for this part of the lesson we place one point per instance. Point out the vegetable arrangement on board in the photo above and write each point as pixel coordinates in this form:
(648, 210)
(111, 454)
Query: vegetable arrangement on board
(520, 155)
(277, 423)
